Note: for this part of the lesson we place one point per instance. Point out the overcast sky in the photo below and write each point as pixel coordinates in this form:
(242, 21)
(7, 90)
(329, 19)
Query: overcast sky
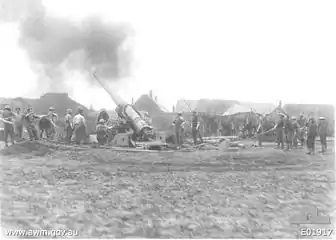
(262, 51)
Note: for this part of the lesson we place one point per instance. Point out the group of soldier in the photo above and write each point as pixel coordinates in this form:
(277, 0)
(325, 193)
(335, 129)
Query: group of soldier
(15, 121)
(292, 132)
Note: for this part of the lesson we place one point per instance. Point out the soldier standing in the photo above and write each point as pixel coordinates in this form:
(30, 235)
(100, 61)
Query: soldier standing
(296, 131)
(30, 124)
(80, 130)
(101, 131)
(311, 135)
(68, 128)
(289, 132)
(19, 123)
(279, 130)
(195, 124)
(8, 117)
(53, 118)
(302, 131)
(178, 124)
(323, 131)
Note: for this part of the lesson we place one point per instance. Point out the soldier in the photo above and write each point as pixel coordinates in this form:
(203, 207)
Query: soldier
(68, 127)
(311, 135)
(178, 124)
(8, 117)
(103, 115)
(30, 118)
(19, 123)
(101, 131)
(53, 117)
(80, 132)
(289, 132)
(260, 130)
(195, 128)
(279, 130)
(323, 131)
(296, 131)
(303, 125)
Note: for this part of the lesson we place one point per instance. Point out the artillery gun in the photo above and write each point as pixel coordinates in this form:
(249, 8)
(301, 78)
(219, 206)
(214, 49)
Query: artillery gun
(127, 112)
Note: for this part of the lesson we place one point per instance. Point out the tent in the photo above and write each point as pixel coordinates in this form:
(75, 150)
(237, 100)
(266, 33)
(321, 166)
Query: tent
(237, 109)
(149, 105)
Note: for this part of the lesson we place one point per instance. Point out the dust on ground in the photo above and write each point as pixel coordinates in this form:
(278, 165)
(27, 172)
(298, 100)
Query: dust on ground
(102, 193)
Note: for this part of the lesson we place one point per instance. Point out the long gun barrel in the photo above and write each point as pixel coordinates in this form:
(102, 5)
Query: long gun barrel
(127, 111)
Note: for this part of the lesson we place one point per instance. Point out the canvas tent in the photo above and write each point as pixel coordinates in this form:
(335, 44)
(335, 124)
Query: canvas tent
(148, 104)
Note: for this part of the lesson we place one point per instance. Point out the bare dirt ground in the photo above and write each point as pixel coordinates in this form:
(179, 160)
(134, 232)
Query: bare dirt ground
(101, 193)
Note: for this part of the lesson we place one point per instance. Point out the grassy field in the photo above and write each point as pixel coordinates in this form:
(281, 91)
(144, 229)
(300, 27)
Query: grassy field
(101, 193)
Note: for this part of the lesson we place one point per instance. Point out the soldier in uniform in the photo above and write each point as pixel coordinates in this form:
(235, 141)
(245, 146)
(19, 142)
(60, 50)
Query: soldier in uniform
(178, 124)
(323, 131)
(311, 135)
(302, 131)
(8, 117)
(19, 123)
(279, 130)
(30, 118)
(103, 115)
(289, 132)
(53, 118)
(68, 127)
(101, 131)
(195, 128)
(80, 129)
(296, 131)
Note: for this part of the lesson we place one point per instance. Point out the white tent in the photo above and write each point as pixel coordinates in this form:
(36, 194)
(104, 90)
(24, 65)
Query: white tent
(236, 109)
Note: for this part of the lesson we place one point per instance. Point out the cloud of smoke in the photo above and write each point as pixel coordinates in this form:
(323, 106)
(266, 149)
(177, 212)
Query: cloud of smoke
(56, 46)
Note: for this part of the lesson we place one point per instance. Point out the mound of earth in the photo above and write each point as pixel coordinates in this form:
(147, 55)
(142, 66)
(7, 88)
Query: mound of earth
(27, 147)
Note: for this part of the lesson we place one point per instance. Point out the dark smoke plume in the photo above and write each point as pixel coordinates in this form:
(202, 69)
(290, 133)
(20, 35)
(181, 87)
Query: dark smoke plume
(56, 45)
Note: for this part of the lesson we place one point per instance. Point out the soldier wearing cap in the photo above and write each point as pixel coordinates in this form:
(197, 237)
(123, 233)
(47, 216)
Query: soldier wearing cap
(53, 118)
(79, 124)
(279, 131)
(195, 131)
(311, 135)
(178, 123)
(101, 131)
(8, 119)
(323, 131)
(103, 115)
(289, 132)
(302, 121)
(68, 127)
(19, 122)
(296, 131)
(30, 118)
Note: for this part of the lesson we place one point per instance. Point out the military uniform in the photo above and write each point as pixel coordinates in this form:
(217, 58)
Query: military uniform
(323, 131)
(289, 132)
(8, 116)
(68, 127)
(178, 124)
(302, 131)
(195, 128)
(19, 123)
(279, 130)
(311, 135)
(296, 131)
(101, 131)
(30, 125)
